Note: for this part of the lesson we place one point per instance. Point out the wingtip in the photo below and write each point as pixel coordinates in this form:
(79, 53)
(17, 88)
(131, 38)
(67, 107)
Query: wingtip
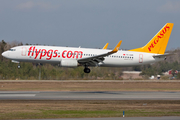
(105, 47)
(117, 47)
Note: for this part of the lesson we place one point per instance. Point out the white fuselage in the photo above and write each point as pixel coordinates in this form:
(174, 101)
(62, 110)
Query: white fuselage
(52, 54)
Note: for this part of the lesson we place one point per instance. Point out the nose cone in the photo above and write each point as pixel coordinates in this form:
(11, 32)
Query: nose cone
(5, 54)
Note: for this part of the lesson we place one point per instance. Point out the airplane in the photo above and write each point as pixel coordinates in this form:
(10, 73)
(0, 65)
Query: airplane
(153, 51)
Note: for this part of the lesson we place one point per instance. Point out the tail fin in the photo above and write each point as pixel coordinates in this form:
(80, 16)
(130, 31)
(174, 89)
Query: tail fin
(159, 42)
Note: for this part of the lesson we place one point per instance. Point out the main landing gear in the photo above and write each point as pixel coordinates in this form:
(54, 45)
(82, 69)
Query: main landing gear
(87, 70)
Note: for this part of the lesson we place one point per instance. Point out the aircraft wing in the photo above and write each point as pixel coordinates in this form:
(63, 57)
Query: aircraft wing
(94, 60)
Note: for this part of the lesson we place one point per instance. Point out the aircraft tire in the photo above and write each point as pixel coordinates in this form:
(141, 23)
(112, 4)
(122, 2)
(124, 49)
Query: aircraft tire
(87, 70)
(19, 66)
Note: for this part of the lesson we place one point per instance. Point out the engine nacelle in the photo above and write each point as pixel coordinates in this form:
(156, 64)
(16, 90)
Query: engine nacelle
(69, 63)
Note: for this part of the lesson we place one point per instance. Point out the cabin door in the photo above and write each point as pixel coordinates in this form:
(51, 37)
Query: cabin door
(140, 58)
(24, 51)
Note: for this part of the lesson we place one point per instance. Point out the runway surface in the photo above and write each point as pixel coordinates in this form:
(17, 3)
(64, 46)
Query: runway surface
(119, 118)
(87, 95)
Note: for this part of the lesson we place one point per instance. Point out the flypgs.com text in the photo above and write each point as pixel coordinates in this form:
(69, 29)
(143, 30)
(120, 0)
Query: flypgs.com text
(49, 54)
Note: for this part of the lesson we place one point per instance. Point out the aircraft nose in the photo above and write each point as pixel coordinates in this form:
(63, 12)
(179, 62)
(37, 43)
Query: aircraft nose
(5, 54)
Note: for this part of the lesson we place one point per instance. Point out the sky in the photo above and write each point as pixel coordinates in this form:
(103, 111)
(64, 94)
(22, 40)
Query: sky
(88, 23)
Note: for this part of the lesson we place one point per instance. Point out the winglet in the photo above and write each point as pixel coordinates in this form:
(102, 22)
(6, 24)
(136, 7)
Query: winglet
(117, 47)
(105, 47)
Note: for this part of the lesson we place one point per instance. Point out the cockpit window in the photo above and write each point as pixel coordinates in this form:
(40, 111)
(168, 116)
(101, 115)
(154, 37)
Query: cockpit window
(12, 49)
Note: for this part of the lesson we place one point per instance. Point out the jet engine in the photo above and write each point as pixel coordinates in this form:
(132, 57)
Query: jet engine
(69, 63)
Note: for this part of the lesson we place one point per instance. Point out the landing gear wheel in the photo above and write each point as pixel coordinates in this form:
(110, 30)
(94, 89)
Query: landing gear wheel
(87, 70)
(19, 66)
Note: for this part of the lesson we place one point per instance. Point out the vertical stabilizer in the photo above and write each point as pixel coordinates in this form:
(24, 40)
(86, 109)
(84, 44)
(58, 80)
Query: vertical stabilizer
(159, 42)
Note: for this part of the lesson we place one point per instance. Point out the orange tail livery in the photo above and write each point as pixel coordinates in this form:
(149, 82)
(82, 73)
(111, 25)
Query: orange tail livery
(159, 42)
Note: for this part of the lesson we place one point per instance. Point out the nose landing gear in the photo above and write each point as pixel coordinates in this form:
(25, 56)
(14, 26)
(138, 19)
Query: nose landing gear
(19, 66)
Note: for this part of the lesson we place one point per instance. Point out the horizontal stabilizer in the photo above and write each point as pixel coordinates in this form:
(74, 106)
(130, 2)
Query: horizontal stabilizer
(163, 55)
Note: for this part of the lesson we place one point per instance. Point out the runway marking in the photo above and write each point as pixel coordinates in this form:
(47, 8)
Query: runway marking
(17, 95)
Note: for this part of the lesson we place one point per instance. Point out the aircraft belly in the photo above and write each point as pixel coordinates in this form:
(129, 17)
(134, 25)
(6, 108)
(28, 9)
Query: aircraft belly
(118, 63)
(31, 59)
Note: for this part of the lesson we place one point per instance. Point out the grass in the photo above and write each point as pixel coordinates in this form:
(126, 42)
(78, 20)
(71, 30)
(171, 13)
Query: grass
(88, 86)
(25, 109)
(44, 114)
